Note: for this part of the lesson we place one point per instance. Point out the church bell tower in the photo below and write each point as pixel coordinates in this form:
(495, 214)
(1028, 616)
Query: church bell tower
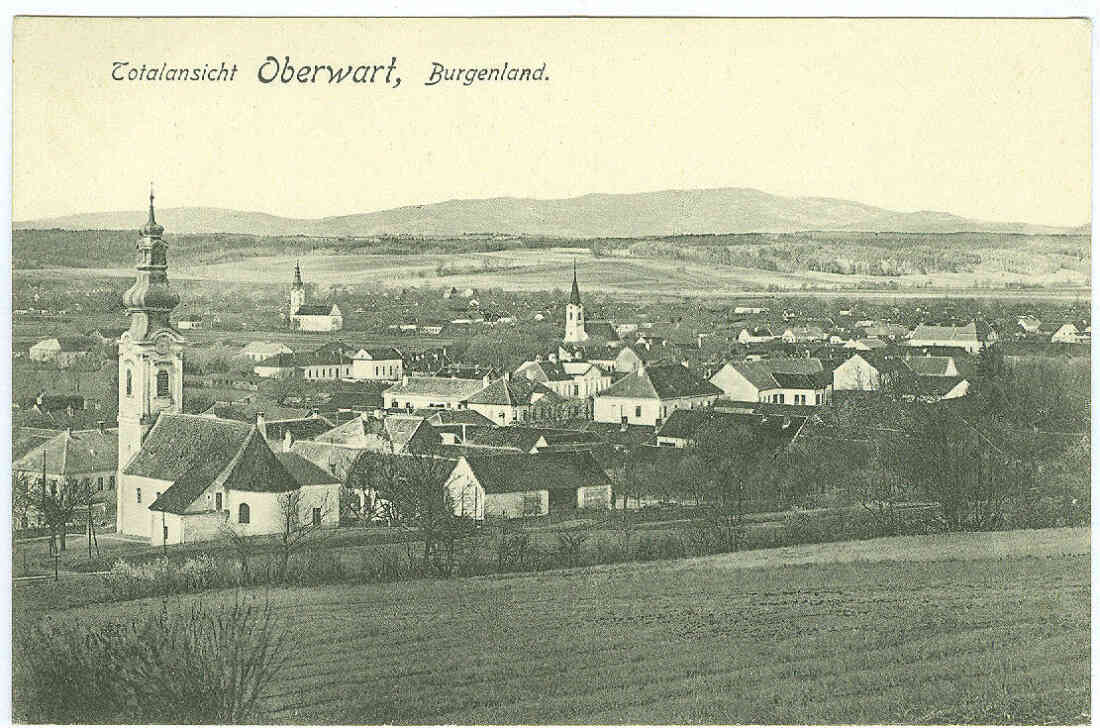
(574, 314)
(297, 292)
(150, 352)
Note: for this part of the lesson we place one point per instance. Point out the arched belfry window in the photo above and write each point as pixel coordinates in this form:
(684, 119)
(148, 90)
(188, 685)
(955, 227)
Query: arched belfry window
(243, 514)
(162, 383)
(129, 383)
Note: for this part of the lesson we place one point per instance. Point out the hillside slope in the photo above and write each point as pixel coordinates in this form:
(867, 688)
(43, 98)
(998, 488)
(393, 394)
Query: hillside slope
(669, 212)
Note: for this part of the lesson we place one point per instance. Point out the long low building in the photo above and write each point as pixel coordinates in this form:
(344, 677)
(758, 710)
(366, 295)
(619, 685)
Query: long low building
(519, 485)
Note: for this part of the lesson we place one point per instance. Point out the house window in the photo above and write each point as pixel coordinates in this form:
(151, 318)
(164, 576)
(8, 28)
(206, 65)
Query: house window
(111, 481)
(99, 483)
(316, 516)
(243, 514)
(637, 411)
(139, 495)
(166, 534)
(162, 383)
(781, 397)
(129, 383)
(217, 501)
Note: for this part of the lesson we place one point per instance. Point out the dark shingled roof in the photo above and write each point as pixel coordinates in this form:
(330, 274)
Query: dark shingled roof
(72, 453)
(514, 391)
(192, 451)
(303, 471)
(314, 310)
(549, 471)
(304, 428)
(801, 381)
(666, 381)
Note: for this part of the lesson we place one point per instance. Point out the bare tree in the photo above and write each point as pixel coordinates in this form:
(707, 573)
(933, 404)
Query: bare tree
(58, 503)
(302, 521)
(412, 491)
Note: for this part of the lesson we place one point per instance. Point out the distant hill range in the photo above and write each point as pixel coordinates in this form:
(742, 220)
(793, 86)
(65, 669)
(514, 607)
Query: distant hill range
(672, 212)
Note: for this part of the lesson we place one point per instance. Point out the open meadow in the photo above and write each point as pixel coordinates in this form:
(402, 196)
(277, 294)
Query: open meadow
(550, 268)
(960, 628)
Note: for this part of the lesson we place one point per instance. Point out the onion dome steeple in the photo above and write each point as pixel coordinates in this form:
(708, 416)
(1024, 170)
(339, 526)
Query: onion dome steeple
(575, 294)
(150, 299)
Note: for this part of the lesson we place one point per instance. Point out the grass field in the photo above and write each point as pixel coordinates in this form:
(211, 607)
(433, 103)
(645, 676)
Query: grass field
(965, 628)
(534, 270)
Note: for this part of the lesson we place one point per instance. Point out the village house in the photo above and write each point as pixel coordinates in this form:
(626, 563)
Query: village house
(684, 426)
(188, 323)
(962, 337)
(276, 366)
(573, 379)
(432, 392)
(513, 399)
(783, 381)
(803, 334)
(755, 335)
(648, 395)
(385, 433)
(88, 458)
(933, 366)
(518, 485)
(867, 372)
(62, 350)
(377, 363)
(257, 351)
(1067, 334)
(1029, 324)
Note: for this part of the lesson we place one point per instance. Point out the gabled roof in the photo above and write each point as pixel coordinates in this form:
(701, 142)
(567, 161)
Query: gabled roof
(934, 366)
(447, 387)
(383, 353)
(71, 453)
(513, 392)
(265, 347)
(664, 381)
(303, 471)
(545, 471)
(937, 386)
(330, 457)
(284, 360)
(453, 417)
(968, 333)
(802, 381)
(317, 310)
(522, 439)
(192, 452)
(303, 428)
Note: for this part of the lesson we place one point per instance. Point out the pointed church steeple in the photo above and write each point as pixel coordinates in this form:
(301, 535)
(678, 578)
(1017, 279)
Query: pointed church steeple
(297, 275)
(575, 294)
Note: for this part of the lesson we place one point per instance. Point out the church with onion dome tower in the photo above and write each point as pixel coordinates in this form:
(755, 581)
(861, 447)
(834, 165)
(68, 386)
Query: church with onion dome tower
(150, 351)
(182, 477)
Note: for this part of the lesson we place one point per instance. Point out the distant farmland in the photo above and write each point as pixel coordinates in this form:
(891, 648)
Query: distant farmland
(543, 270)
(963, 628)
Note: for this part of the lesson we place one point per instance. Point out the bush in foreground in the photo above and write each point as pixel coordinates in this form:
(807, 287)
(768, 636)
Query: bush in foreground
(202, 665)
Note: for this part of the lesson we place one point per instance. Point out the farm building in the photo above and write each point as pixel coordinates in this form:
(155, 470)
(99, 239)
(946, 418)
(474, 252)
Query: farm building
(519, 485)
(783, 381)
(866, 371)
(962, 337)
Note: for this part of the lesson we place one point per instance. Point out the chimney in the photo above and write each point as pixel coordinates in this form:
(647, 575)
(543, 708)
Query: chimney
(261, 424)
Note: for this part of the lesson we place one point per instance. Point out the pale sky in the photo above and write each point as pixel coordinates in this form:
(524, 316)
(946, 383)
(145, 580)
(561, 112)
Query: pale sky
(987, 119)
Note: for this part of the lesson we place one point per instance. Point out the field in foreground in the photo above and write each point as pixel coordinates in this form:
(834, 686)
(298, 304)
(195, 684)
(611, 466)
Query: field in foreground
(965, 628)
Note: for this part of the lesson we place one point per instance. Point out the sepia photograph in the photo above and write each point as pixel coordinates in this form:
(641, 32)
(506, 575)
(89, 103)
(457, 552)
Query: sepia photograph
(550, 370)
